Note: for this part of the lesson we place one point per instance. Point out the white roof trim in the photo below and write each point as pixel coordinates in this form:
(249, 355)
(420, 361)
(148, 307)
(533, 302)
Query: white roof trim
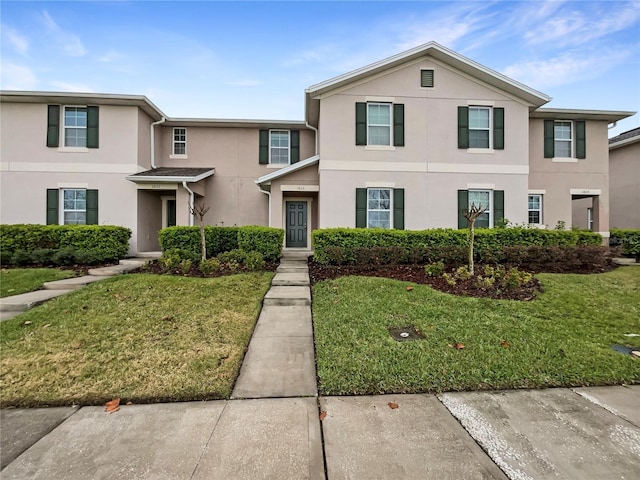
(161, 179)
(288, 169)
(425, 49)
(623, 142)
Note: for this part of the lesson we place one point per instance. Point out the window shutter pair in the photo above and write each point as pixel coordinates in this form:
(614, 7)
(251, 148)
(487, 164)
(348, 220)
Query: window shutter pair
(580, 136)
(463, 205)
(53, 126)
(263, 153)
(53, 205)
(398, 208)
(498, 128)
(398, 124)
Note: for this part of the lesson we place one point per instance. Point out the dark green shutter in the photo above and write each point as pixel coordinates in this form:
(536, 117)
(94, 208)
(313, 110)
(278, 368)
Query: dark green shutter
(498, 206)
(361, 208)
(581, 139)
(398, 208)
(92, 207)
(549, 139)
(463, 206)
(93, 130)
(52, 206)
(498, 128)
(53, 125)
(361, 123)
(263, 158)
(295, 146)
(398, 125)
(463, 127)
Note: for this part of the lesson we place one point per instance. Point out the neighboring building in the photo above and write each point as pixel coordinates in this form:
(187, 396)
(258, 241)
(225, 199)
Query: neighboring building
(624, 179)
(407, 142)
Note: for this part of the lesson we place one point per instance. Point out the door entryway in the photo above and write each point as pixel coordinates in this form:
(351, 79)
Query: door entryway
(296, 224)
(171, 213)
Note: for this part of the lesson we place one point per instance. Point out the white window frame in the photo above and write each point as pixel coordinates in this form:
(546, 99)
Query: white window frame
(490, 207)
(539, 209)
(64, 210)
(571, 140)
(175, 142)
(390, 125)
(65, 127)
(271, 146)
(390, 190)
(590, 218)
(489, 129)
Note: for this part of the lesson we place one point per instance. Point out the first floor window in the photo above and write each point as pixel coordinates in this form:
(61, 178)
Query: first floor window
(279, 147)
(563, 139)
(74, 207)
(379, 123)
(482, 199)
(179, 141)
(535, 209)
(75, 126)
(479, 127)
(379, 208)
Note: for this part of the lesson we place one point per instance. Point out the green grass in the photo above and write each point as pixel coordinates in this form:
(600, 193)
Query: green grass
(562, 338)
(143, 338)
(22, 280)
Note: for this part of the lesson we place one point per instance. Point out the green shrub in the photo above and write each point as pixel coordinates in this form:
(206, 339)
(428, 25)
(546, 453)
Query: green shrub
(254, 261)
(209, 266)
(21, 258)
(629, 240)
(238, 256)
(435, 269)
(65, 257)
(185, 266)
(88, 257)
(265, 240)
(43, 256)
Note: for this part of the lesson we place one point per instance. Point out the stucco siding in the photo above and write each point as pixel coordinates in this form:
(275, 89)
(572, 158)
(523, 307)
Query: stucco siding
(624, 178)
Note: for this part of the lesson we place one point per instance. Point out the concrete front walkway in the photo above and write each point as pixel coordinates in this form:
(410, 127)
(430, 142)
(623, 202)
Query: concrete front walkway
(583, 433)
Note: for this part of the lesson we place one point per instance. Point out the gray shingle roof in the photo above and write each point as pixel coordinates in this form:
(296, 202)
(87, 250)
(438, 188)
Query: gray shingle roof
(173, 172)
(625, 135)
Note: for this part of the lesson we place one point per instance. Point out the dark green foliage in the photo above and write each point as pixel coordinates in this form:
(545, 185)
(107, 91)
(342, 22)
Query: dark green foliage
(105, 242)
(344, 245)
(65, 257)
(266, 240)
(43, 256)
(629, 240)
(218, 239)
(249, 260)
(21, 258)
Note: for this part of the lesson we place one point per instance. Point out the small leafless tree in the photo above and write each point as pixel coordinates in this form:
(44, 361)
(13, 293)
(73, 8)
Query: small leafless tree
(471, 215)
(199, 210)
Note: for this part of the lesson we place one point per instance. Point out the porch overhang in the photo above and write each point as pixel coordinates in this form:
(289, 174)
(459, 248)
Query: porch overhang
(294, 167)
(172, 175)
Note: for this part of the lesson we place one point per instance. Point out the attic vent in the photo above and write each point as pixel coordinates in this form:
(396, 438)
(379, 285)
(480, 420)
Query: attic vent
(426, 78)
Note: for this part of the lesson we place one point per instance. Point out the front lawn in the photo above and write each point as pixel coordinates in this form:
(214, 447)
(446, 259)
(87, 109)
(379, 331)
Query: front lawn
(14, 281)
(561, 338)
(143, 338)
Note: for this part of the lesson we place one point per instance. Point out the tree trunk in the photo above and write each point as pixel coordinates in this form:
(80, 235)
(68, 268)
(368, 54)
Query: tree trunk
(471, 238)
(203, 242)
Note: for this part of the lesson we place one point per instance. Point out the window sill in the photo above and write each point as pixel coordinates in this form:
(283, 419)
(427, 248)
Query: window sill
(564, 160)
(277, 165)
(73, 149)
(387, 148)
(179, 157)
(480, 150)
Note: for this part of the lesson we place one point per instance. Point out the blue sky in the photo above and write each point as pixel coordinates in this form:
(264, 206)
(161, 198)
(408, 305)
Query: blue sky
(254, 59)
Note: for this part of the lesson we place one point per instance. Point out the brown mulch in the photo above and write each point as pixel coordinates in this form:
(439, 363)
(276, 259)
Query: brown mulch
(416, 274)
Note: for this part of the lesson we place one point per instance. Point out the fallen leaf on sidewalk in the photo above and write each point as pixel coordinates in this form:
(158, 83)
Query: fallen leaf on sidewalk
(392, 405)
(112, 406)
(323, 415)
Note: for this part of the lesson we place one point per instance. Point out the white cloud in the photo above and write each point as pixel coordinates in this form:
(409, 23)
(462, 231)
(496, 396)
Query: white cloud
(565, 69)
(19, 42)
(244, 83)
(72, 87)
(68, 41)
(17, 77)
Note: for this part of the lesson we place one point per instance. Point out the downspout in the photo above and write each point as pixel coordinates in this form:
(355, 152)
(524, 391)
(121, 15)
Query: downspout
(191, 204)
(269, 195)
(316, 134)
(613, 125)
(153, 141)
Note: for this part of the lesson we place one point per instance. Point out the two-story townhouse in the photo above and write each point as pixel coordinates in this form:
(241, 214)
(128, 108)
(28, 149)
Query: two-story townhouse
(407, 142)
(624, 179)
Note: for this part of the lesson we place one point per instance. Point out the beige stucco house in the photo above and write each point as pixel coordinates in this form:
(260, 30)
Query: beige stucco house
(407, 142)
(624, 179)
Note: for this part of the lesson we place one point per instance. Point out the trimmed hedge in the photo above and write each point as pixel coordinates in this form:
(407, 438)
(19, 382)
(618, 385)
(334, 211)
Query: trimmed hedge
(105, 242)
(416, 246)
(265, 240)
(628, 239)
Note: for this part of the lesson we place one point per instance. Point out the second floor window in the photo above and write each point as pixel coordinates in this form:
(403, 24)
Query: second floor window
(75, 126)
(379, 123)
(563, 139)
(479, 127)
(179, 141)
(279, 147)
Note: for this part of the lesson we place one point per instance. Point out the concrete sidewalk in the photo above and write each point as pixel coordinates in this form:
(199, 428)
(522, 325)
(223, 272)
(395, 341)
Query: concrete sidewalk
(584, 433)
